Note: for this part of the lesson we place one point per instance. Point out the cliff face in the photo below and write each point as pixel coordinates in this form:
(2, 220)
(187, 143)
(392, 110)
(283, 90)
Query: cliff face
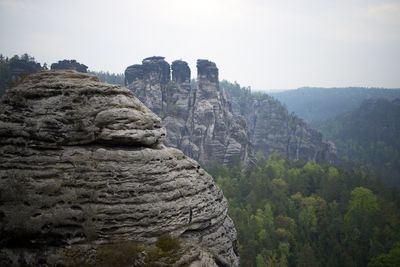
(273, 130)
(82, 163)
(209, 126)
(198, 120)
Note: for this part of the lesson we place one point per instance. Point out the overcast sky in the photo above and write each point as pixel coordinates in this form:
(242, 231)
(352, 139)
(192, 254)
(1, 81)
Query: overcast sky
(263, 44)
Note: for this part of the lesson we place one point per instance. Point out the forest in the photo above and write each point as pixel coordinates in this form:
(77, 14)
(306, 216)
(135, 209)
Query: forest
(364, 125)
(112, 78)
(369, 135)
(16, 67)
(291, 213)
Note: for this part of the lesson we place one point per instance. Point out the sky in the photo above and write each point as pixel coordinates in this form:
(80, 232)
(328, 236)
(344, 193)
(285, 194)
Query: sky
(264, 44)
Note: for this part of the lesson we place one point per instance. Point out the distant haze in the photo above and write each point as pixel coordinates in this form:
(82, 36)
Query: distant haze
(264, 44)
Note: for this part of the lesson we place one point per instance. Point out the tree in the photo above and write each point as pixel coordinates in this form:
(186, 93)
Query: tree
(260, 261)
(391, 259)
(306, 257)
(362, 209)
(360, 221)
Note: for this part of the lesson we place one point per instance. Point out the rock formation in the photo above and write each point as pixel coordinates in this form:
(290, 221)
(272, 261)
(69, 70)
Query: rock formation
(273, 130)
(152, 78)
(82, 164)
(209, 126)
(69, 65)
(198, 120)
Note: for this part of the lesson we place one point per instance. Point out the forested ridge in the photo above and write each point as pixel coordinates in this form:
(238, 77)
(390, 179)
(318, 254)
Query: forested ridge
(318, 104)
(369, 135)
(303, 214)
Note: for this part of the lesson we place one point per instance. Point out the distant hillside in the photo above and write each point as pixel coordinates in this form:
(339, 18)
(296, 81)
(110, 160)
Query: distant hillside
(369, 135)
(318, 104)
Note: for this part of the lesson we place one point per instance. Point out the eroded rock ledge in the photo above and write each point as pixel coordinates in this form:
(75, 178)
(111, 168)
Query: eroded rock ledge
(82, 162)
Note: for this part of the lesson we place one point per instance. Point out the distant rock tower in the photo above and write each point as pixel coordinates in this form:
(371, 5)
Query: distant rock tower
(69, 65)
(198, 120)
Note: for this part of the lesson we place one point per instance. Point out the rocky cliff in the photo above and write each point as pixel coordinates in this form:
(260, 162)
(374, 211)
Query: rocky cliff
(272, 129)
(198, 120)
(83, 167)
(208, 125)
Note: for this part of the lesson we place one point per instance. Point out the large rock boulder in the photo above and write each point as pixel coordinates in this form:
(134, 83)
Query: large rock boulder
(82, 163)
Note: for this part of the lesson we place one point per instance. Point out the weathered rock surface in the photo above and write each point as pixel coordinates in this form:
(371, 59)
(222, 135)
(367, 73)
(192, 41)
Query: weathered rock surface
(272, 129)
(69, 65)
(198, 120)
(82, 162)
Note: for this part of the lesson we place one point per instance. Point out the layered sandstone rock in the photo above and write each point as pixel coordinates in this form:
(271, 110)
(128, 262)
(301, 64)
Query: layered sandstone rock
(82, 162)
(198, 120)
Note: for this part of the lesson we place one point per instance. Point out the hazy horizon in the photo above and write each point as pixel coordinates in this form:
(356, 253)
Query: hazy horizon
(268, 45)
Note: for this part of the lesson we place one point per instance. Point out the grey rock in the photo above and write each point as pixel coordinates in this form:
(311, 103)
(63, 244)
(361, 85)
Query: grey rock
(180, 71)
(69, 65)
(207, 70)
(83, 162)
(133, 73)
(151, 79)
(272, 129)
(210, 126)
(198, 120)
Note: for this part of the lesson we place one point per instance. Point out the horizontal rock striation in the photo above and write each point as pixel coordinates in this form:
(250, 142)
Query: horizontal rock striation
(82, 162)
(198, 120)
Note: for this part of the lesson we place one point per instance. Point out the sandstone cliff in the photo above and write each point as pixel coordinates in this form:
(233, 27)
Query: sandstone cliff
(82, 164)
(272, 129)
(198, 120)
(208, 125)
